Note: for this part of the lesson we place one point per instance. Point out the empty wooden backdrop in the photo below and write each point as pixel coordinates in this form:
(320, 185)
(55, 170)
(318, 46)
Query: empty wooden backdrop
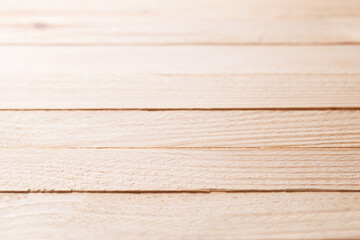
(169, 119)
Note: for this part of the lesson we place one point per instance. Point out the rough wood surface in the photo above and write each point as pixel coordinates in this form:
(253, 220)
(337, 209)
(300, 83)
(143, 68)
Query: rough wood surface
(180, 129)
(256, 100)
(180, 216)
(179, 169)
(181, 60)
(179, 22)
(83, 91)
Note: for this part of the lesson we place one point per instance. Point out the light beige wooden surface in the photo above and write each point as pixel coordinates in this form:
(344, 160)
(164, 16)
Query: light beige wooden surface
(179, 169)
(219, 9)
(178, 91)
(180, 216)
(256, 100)
(181, 60)
(179, 77)
(122, 129)
(179, 22)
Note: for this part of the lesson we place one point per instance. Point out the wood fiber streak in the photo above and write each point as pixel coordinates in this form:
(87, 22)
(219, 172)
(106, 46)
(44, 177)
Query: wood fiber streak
(178, 169)
(181, 216)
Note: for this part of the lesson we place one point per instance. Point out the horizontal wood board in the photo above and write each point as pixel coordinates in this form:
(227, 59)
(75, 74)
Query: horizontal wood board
(178, 91)
(127, 129)
(181, 216)
(179, 169)
(181, 60)
(179, 22)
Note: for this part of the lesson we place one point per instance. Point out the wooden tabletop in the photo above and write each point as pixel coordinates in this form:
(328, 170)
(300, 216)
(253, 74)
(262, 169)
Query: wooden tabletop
(179, 119)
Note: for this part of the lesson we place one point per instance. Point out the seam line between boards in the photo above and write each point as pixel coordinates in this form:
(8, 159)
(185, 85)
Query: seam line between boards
(180, 148)
(183, 109)
(181, 191)
(179, 44)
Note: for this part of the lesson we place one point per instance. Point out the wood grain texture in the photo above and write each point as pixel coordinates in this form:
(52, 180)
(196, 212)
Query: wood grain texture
(156, 98)
(180, 216)
(181, 60)
(180, 129)
(180, 22)
(238, 9)
(99, 91)
(179, 169)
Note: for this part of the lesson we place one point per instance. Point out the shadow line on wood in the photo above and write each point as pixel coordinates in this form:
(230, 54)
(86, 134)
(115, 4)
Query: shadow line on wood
(186, 109)
(183, 191)
(110, 44)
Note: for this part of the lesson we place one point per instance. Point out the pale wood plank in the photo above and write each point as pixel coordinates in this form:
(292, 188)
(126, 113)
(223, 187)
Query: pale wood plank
(141, 31)
(99, 91)
(60, 29)
(180, 129)
(181, 60)
(179, 22)
(178, 169)
(181, 216)
(238, 9)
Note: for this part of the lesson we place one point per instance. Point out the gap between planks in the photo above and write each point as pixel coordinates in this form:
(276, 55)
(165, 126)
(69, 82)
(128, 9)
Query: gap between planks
(184, 109)
(195, 148)
(200, 191)
(109, 44)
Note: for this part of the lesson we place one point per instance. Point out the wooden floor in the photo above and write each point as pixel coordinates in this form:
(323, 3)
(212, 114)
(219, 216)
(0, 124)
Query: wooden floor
(179, 119)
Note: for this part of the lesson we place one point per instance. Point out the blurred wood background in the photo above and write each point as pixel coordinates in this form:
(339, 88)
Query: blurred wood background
(169, 119)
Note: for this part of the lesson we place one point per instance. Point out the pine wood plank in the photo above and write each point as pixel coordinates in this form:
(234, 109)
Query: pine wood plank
(181, 60)
(181, 216)
(180, 22)
(179, 77)
(174, 91)
(180, 129)
(179, 169)
(113, 30)
(238, 9)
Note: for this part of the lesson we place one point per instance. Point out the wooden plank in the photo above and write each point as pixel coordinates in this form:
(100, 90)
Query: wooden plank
(180, 22)
(181, 60)
(99, 91)
(238, 9)
(179, 169)
(115, 30)
(181, 216)
(180, 129)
